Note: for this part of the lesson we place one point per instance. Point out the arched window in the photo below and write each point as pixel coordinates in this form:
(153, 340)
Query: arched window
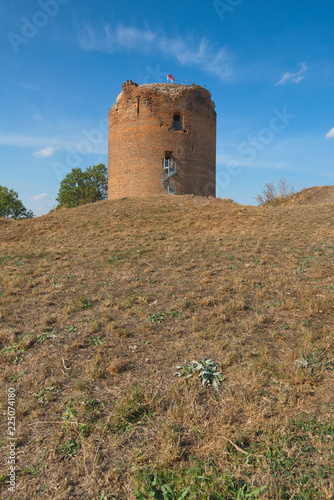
(177, 122)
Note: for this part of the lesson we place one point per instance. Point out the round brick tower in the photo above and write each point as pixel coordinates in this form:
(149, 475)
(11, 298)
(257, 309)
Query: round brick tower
(162, 139)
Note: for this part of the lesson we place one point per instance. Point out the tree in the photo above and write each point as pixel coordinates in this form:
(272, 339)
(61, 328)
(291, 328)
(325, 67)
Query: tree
(80, 187)
(11, 207)
(274, 195)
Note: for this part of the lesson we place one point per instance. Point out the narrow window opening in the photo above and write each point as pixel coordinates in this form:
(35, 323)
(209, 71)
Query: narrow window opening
(177, 122)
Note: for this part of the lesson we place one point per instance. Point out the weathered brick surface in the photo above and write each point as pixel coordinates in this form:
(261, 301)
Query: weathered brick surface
(141, 131)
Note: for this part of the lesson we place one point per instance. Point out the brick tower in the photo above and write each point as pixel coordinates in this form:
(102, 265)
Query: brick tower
(162, 139)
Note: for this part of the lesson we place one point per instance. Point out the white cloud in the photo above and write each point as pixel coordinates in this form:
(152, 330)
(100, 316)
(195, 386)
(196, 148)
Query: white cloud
(204, 56)
(330, 134)
(293, 77)
(45, 153)
(114, 40)
(39, 197)
(129, 37)
(186, 50)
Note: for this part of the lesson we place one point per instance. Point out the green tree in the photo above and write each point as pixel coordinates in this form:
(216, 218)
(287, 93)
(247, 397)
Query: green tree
(80, 187)
(11, 207)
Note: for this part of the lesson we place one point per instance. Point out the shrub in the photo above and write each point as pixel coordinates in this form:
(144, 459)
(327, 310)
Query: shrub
(274, 194)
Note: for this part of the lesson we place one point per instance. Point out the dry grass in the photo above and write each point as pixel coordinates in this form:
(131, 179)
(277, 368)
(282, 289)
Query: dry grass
(99, 304)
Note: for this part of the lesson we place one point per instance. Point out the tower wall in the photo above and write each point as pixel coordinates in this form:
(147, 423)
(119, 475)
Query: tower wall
(153, 122)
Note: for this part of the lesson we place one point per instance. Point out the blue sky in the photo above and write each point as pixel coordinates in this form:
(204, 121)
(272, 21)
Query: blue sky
(269, 66)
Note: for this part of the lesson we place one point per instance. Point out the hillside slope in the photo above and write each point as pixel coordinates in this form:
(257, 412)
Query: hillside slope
(100, 304)
(313, 195)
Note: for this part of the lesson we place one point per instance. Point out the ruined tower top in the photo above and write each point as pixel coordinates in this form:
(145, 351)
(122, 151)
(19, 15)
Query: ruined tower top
(162, 139)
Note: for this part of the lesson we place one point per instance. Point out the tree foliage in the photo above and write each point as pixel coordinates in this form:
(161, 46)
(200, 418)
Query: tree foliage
(11, 207)
(274, 194)
(81, 187)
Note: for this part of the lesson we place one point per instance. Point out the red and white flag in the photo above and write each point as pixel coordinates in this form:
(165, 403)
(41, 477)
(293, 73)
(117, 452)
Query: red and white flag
(170, 78)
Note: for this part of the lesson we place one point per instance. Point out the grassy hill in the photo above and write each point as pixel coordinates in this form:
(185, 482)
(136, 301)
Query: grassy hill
(100, 304)
(313, 195)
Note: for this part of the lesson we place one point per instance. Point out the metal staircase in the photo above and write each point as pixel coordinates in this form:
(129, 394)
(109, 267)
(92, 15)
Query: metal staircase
(168, 171)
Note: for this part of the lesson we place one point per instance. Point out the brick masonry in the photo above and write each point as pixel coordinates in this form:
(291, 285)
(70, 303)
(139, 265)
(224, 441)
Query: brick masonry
(142, 133)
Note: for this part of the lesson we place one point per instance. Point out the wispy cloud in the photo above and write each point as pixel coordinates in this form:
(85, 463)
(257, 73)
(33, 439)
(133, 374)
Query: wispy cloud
(296, 77)
(122, 37)
(186, 50)
(330, 134)
(39, 197)
(204, 56)
(28, 86)
(45, 153)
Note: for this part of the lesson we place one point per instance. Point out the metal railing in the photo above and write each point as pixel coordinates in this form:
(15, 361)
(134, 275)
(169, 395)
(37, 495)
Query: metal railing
(169, 167)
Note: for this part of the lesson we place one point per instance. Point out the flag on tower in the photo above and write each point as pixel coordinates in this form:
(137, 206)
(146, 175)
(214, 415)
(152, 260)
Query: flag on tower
(170, 78)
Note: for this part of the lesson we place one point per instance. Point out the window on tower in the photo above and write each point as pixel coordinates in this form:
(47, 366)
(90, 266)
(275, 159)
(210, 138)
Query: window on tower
(177, 122)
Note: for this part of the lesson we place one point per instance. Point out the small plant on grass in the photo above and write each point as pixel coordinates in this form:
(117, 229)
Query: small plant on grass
(312, 361)
(69, 414)
(17, 360)
(16, 378)
(40, 395)
(106, 283)
(71, 328)
(69, 417)
(96, 341)
(206, 369)
(30, 471)
(14, 348)
(157, 318)
(157, 489)
(45, 336)
(84, 303)
(160, 317)
(69, 448)
(247, 492)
